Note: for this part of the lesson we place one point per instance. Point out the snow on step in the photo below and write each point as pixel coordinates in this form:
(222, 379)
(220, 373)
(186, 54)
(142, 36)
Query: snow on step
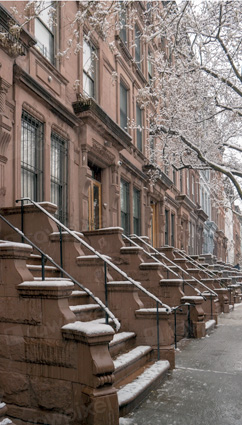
(36, 267)
(86, 307)
(130, 391)
(120, 337)
(6, 422)
(128, 358)
(55, 279)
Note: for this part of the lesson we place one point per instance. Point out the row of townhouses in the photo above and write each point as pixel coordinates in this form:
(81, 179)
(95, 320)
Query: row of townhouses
(74, 142)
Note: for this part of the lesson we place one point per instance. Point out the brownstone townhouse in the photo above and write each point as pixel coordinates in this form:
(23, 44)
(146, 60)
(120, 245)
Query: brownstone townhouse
(73, 140)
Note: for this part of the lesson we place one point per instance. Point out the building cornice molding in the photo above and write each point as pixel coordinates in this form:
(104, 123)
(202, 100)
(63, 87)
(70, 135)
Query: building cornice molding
(15, 44)
(55, 106)
(90, 112)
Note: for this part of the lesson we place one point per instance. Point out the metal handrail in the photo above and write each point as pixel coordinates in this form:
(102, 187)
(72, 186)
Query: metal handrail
(174, 264)
(210, 273)
(174, 310)
(164, 265)
(44, 255)
(106, 262)
(103, 257)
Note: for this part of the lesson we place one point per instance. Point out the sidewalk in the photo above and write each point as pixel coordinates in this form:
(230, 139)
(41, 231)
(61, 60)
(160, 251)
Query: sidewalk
(206, 386)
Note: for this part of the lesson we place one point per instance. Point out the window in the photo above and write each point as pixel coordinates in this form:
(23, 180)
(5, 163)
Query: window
(123, 23)
(137, 46)
(95, 198)
(89, 69)
(139, 129)
(32, 136)
(174, 175)
(45, 31)
(172, 229)
(125, 213)
(188, 183)
(150, 67)
(152, 150)
(123, 107)
(58, 175)
(181, 181)
(193, 187)
(166, 227)
(136, 212)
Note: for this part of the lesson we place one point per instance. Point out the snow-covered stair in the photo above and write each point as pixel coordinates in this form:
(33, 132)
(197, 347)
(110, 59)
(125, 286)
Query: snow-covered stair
(87, 312)
(133, 393)
(121, 342)
(127, 363)
(3, 419)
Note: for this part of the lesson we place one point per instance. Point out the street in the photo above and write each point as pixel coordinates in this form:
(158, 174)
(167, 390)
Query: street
(206, 386)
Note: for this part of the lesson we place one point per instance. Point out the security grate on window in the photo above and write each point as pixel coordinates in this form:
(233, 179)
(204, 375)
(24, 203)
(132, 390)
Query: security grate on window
(59, 175)
(32, 135)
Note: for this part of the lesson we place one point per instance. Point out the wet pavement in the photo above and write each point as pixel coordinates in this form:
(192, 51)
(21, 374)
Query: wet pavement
(206, 386)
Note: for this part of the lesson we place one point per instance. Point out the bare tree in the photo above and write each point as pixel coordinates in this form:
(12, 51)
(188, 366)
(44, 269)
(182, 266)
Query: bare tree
(194, 93)
(197, 87)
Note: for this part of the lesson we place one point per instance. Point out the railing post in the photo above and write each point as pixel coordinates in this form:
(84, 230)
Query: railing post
(61, 251)
(175, 339)
(22, 220)
(183, 282)
(189, 320)
(211, 299)
(158, 331)
(106, 290)
(43, 266)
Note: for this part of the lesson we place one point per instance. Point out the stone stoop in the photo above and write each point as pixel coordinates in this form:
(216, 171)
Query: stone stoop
(3, 419)
(135, 370)
(131, 394)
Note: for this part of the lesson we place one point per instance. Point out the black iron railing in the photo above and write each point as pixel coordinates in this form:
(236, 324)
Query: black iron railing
(106, 262)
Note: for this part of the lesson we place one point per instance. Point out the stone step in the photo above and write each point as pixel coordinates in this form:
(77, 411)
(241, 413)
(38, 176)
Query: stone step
(127, 363)
(3, 419)
(50, 271)
(122, 342)
(78, 297)
(3, 409)
(131, 394)
(87, 312)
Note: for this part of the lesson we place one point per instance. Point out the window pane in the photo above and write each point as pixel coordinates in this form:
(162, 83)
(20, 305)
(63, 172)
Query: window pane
(58, 173)
(139, 130)
(152, 150)
(45, 40)
(31, 157)
(124, 201)
(123, 107)
(88, 85)
(123, 23)
(89, 69)
(166, 227)
(88, 59)
(136, 211)
(137, 46)
(47, 13)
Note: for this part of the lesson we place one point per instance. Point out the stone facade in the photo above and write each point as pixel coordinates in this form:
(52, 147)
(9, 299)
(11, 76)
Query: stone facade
(105, 165)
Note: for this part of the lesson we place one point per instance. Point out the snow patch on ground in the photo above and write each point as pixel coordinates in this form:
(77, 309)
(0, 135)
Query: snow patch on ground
(210, 324)
(126, 421)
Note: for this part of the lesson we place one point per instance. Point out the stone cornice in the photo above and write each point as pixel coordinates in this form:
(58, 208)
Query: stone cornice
(162, 178)
(186, 202)
(90, 112)
(55, 106)
(131, 167)
(14, 44)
